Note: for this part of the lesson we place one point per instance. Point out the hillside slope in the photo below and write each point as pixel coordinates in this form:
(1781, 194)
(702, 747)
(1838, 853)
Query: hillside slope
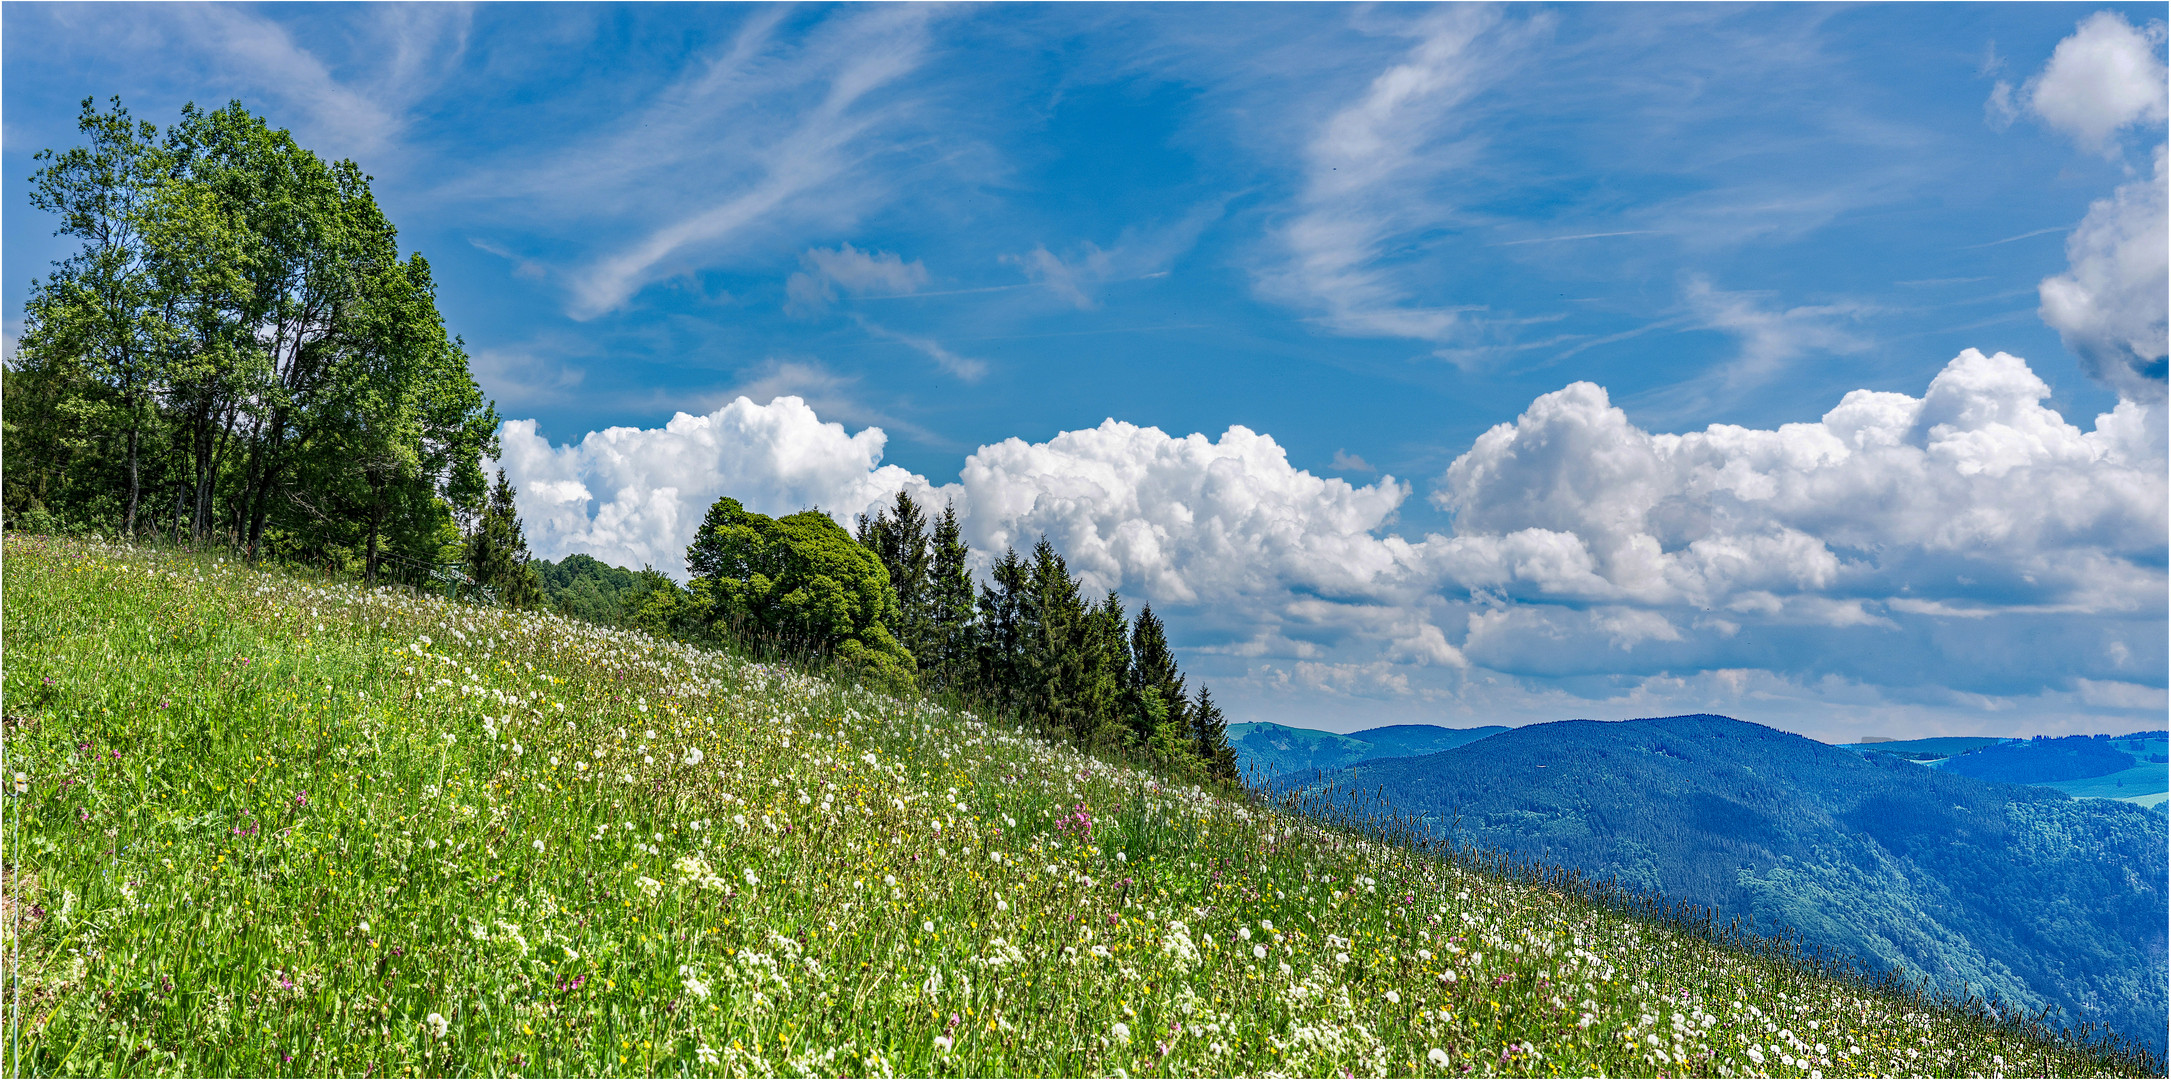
(2020, 891)
(265, 825)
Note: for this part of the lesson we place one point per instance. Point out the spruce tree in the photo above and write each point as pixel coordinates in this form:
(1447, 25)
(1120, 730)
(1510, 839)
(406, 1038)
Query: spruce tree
(898, 536)
(1002, 633)
(497, 552)
(1153, 667)
(949, 662)
(1210, 738)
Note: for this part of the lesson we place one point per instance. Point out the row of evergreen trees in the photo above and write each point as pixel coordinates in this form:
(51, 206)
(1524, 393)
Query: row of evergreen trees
(1032, 643)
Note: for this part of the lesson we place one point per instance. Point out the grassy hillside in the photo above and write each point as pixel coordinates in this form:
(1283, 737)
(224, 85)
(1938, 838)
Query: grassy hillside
(1266, 751)
(2021, 891)
(262, 825)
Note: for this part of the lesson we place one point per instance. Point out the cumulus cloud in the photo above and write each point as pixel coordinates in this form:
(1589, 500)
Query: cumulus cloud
(2109, 307)
(1977, 479)
(2100, 80)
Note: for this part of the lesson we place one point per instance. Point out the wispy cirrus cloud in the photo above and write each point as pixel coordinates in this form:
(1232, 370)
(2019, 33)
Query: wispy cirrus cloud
(1372, 179)
(354, 101)
(766, 139)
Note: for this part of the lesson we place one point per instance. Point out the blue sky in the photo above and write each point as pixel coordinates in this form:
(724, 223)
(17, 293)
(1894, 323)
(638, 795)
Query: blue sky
(1364, 235)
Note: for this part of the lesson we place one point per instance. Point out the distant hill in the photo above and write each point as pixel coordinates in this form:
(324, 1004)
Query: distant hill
(1927, 749)
(585, 587)
(1266, 751)
(2131, 767)
(2021, 891)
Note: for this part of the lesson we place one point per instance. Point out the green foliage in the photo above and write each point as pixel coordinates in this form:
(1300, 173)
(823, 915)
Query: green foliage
(583, 587)
(238, 350)
(497, 551)
(2018, 892)
(802, 581)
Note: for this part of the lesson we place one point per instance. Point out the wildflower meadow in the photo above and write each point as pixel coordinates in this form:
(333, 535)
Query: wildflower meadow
(263, 823)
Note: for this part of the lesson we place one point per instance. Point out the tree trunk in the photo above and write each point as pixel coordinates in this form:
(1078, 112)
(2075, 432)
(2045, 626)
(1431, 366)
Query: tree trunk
(135, 479)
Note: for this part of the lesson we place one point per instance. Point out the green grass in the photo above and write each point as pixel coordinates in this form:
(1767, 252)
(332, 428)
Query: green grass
(268, 825)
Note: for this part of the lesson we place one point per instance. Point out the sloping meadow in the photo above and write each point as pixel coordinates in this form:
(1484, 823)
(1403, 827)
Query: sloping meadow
(263, 824)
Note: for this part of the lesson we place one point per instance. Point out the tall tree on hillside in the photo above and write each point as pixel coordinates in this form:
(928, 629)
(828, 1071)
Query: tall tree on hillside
(497, 552)
(1153, 667)
(1108, 684)
(102, 308)
(1210, 737)
(1005, 625)
(948, 662)
(898, 536)
(1058, 653)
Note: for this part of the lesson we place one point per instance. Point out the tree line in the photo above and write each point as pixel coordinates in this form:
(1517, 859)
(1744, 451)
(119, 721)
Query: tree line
(896, 603)
(237, 352)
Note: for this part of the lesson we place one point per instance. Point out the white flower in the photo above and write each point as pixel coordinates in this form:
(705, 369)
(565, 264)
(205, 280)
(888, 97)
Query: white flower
(708, 1055)
(1121, 1031)
(1002, 905)
(738, 819)
(364, 927)
(1756, 1055)
(1437, 1056)
(569, 953)
(751, 880)
(1341, 958)
(927, 926)
(1120, 857)
(538, 845)
(1258, 951)
(943, 1044)
(438, 1025)
(1266, 924)
(650, 886)
(693, 756)
(1244, 932)
(1393, 998)
(689, 978)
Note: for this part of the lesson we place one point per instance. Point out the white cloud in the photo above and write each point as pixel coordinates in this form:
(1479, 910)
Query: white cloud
(857, 273)
(1977, 477)
(634, 497)
(2110, 306)
(964, 367)
(2103, 78)
(771, 133)
(1139, 252)
(1370, 171)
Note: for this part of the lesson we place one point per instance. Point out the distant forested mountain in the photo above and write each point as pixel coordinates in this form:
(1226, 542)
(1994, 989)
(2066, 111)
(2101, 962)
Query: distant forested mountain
(1267, 751)
(2023, 892)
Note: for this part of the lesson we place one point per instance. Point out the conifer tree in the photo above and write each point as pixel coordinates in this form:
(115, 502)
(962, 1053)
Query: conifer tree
(1002, 633)
(949, 662)
(898, 536)
(497, 552)
(1153, 667)
(1210, 738)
